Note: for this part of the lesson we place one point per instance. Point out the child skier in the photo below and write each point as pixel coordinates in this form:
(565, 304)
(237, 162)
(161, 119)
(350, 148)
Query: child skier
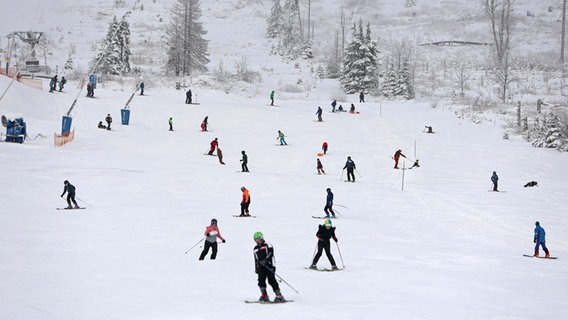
(245, 202)
(264, 267)
(319, 166)
(397, 156)
(495, 180)
(329, 204)
(324, 234)
(350, 166)
(70, 189)
(211, 234)
(281, 137)
(244, 161)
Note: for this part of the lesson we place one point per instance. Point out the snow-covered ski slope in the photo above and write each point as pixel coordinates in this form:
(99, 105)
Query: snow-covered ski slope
(444, 248)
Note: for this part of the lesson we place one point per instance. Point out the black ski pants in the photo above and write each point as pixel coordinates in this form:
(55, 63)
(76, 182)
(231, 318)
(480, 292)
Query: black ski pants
(324, 245)
(213, 246)
(71, 198)
(350, 175)
(265, 274)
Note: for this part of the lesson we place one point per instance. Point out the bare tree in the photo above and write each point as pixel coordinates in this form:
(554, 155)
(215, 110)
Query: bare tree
(500, 14)
(563, 39)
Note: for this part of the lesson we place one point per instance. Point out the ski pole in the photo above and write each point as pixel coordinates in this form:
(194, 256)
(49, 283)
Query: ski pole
(279, 277)
(341, 178)
(337, 211)
(360, 176)
(340, 256)
(340, 205)
(314, 254)
(195, 245)
(84, 202)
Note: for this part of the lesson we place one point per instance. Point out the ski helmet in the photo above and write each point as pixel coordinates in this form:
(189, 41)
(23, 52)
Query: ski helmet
(243, 188)
(258, 235)
(65, 182)
(537, 223)
(327, 223)
(213, 221)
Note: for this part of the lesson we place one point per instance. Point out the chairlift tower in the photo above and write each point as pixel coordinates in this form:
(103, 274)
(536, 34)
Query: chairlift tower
(32, 65)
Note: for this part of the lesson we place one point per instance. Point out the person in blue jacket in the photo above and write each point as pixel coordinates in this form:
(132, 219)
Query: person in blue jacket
(350, 166)
(329, 204)
(319, 112)
(539, 239)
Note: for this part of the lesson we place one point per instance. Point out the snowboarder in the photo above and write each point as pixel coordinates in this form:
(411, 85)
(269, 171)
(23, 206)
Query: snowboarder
(188, 97)
(244, 161)
(264, 268)
(319, 166)
(495, 180)
(142, 88)
(429, 129)
(204, 123)
(350, 166)
(245, 202)
(220, 155)
(324, 234)
(62, 83)
(396, 157)
(340, 109)
(361, 97)
(333, 104)
(108, 120)
(329, 204)
(171, 123)
(324, 147)
(211, 234)
(53, 83)
(319, 112)
(281, 137)
(531, 184)
(539, 239)
(352, 109)
(101, 125)
(272, 98)
(214, 145)
(70, 190)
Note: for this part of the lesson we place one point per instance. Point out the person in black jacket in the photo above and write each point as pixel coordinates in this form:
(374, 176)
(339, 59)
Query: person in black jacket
(264, 267)
(70, 190)
(324, 234)
(350, 166)
(188, 97)
(108, 120)
(244, 161)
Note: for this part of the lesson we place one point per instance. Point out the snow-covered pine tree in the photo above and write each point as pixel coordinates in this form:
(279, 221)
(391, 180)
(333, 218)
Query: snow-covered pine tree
(68, 64)
(116, 53)
(188, 50)
(405, 82)
(275, 21)
(548, 133)
(359, 67)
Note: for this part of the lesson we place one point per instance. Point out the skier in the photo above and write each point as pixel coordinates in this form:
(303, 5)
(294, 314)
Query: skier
(396, 157)
(272, 98)
(281, 137)
(416, 164)
(350, 166)
(171, 123)
(108, 120)
(62, 82)
(352, 109)
(53, 83)
(495, 180)
(214, 145)
(539, 239)
(244, 161)
(324, 234)
(324, 147)
(319, 166)
(319, 112)
(333, 104)
(245, 202)
(220, 155)
(101, 125)
(211, 234)
(188, 97)
(70, 189)
(329, 204)
(429, 129)
(90, 90)
(204, 123)
(142, 88)
(264, 267)
(361, 97)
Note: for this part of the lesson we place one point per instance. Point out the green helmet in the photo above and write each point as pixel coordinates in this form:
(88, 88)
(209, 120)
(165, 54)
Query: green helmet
(258, 235)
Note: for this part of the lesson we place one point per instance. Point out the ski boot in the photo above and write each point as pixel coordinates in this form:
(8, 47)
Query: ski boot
(536, 253)
(547, 254)
(313, 267)
(69, 207)
(279, 297)
(77, 206)
(263, 295)
(334, 268)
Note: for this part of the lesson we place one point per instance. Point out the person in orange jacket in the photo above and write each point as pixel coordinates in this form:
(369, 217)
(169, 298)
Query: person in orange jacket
(245, 202)
(211, 234)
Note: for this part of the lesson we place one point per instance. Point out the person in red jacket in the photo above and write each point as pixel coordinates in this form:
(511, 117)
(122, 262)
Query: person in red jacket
(214, 145)
(211, 234)
(324, 147)
(396, 156)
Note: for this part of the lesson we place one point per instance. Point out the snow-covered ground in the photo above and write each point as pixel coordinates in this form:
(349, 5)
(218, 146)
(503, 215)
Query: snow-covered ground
(442, 248)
